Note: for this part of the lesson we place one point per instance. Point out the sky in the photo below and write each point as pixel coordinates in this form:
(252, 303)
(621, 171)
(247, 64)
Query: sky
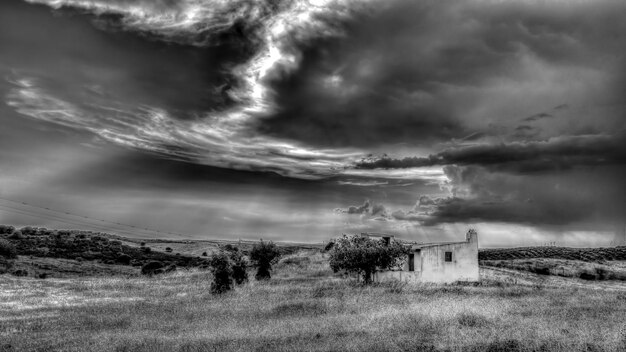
(303, 120)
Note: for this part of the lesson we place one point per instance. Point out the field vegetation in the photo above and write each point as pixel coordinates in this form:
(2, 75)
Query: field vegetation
(605, 270)
(580, 254)
(306, 307)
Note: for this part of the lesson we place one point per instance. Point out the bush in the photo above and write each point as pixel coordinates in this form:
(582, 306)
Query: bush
(17, 235)
(169, 249)
(204, 254)
(587, 276)
(363, 255)
(150, 268)
(28, 230)
(240, 266)
(6, 229)
(7, 250)
(230, 248)
(20, 273)
(222, 270)
(146, 249)
(124, 259)
(264, 255)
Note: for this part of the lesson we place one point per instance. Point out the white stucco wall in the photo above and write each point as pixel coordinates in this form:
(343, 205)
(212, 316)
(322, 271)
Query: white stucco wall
(434, 268)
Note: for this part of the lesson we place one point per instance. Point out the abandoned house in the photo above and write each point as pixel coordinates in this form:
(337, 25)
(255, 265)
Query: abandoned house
(436, 262)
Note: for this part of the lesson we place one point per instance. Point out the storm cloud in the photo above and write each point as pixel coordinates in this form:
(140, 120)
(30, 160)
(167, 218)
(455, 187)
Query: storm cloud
(556, 153)
(285, 116)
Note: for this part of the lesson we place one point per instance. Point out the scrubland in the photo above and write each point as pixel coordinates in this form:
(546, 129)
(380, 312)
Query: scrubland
(305, 307)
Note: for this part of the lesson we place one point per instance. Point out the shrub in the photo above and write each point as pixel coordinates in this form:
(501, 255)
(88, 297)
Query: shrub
(17, 235)
(6, 229)
(143, 244)
(540, 270)
(124, 259)
(204, 254)
(7, 250)
(150, 268)
(20, 273)
(363, 255)
(230, 248)
(239, 265)
(222, 270)
(587, 276)
(146, 249)
(264, 255)
(169, 249)
(28, 230)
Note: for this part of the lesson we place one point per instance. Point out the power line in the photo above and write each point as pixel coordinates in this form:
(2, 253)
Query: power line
(58, 219)
(66, 213)
(63, 220)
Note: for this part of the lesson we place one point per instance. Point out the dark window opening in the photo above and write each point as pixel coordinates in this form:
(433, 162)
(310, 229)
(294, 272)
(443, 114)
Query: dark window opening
(411, 262)
(448, 256)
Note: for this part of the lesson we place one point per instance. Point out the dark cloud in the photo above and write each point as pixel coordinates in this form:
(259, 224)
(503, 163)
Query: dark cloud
(536, 117)
(575, 199)
(556, 153)
(97, 68)
(367, 210)
(231, 117)
(577, 196)
(425, 72)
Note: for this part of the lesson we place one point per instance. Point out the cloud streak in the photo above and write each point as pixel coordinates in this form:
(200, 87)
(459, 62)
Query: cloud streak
(556, 153)
(154, 130)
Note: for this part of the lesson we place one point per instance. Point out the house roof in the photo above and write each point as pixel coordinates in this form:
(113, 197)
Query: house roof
(434, 244)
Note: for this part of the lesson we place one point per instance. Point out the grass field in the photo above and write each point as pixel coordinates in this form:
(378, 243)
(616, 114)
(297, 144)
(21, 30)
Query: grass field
(605, 270)
(306, 308)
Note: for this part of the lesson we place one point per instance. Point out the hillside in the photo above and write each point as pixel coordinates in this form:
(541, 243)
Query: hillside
(581, 254)
(67, 253)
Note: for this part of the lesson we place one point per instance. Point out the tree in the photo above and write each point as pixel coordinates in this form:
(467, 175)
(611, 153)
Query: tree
(239, 265)
(364, 256)
(7, 249)
(6, 229)
(264, 255)
(222, 270)
(7, 253)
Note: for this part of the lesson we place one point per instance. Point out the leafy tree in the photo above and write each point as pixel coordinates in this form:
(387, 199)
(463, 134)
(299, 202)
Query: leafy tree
(230, 248)
(239, 265)
(17, 235)
(7, 249)
(222, 270)
(7, 254)
(28, 230)
(6, 229)
(264, 255)
(364, 256)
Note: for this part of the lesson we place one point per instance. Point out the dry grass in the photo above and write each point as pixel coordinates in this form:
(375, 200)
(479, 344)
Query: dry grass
(581, 254)
(566, 268)
(305, 308)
